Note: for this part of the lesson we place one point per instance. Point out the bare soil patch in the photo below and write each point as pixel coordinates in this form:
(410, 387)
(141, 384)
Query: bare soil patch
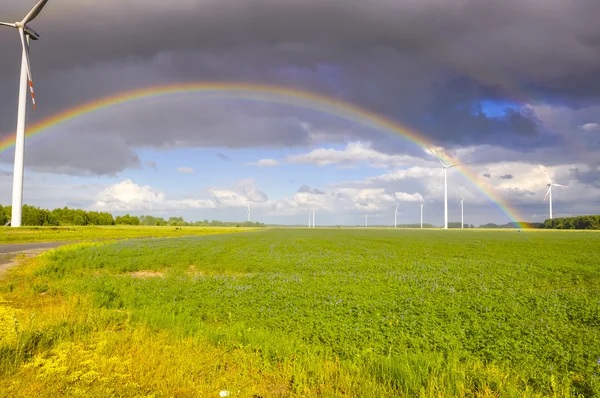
(146, 274)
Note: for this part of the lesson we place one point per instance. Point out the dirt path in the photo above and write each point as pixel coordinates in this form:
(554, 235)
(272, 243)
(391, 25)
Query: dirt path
(9, 253)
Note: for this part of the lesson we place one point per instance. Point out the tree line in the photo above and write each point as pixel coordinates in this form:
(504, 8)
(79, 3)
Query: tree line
(180, 222)
(35, 216)
(577, 222)
(456, 224)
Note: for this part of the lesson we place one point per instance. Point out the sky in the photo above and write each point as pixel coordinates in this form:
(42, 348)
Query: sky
(506, 87)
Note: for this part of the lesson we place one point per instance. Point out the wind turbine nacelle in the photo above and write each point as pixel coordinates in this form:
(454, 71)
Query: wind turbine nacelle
(31, 33)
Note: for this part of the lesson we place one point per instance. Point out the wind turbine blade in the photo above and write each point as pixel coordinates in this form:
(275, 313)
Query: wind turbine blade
(547, 193)
(11, 25)
(35, 11)
(460, 164)
(436, 156)
(459, 192)
(558, 185)
(547, 176)
(25, 45)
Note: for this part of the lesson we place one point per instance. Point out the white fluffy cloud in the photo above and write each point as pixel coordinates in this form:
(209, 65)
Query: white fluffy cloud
(590, 126)
(353, 154)
(264, 162)
(228, 198)
(128, 196)
(242, 193)
(342, 200)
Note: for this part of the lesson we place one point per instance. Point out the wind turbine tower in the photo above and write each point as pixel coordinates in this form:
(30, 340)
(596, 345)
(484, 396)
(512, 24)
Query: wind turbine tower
(366, 219)
(446, 167)
(396, 216)
(462, 201)
(422, 214)
(26, 34)
(248, 211)
(549, 193)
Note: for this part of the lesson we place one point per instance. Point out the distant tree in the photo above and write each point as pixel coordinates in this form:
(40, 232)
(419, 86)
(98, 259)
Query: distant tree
(78, 220)
(3, 216)
(150, 220)
(176, 221)
(127, 220)
(8, 212)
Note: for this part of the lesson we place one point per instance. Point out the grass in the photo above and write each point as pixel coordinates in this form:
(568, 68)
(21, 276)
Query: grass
(55, 234)
(309, 313)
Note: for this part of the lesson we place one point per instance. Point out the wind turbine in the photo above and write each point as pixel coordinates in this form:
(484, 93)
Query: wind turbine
(366, 219)
(462, 201)
(550, 185)
(446, 167)
(248, 212)
(396, 216)
(422, 204)
(26, 34)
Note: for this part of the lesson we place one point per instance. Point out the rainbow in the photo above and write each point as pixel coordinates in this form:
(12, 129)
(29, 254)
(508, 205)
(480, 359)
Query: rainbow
(272, 94)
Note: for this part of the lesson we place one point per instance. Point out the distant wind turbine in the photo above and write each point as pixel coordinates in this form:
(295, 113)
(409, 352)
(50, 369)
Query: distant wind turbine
(446, 167)
(549, 193)
(366, 219)
(396, 216)
(462, 201)
(422, 204)
(248, 211)
(26, 34)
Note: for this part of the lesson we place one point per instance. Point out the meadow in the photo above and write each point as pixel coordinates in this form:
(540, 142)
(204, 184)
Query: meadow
(284, 313)
(54, 234)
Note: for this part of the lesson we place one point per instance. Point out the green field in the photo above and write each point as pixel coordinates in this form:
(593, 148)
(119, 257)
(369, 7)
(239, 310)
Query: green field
(285, 312)
(53, 234)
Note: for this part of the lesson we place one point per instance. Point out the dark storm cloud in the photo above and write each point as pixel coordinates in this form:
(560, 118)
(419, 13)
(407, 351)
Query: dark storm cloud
(105, 143)
(200, 124)
(520, 192)
(85, 154)
(590, 177)
(427, 64)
